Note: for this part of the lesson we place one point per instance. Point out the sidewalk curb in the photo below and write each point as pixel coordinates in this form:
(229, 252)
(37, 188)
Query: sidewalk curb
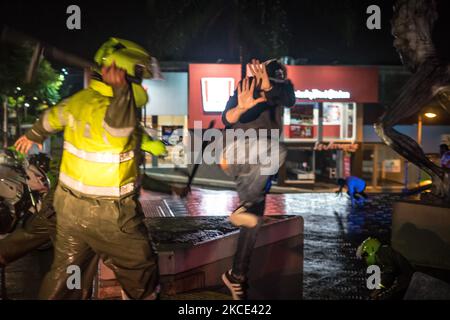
(205, 182)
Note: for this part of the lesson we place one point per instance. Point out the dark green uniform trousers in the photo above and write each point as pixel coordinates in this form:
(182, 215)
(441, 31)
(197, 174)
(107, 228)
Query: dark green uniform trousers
(113, 230)
(38, 230)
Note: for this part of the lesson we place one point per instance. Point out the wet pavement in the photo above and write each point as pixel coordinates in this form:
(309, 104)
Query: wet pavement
(333, 231)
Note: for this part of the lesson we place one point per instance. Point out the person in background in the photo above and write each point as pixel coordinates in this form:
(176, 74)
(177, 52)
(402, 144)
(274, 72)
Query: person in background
(445, 156)
(355, 189)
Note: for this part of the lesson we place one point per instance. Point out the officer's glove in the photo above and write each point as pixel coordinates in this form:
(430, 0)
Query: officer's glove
(155, 147)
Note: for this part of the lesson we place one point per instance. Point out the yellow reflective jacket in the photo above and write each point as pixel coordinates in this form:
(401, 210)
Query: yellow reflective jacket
(99, 156)
(155, 147)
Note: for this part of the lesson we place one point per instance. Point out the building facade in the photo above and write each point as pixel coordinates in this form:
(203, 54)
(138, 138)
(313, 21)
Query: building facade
(328, 133)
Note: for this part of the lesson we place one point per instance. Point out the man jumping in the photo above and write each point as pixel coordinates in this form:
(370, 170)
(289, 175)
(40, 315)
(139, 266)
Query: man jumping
(257, 105)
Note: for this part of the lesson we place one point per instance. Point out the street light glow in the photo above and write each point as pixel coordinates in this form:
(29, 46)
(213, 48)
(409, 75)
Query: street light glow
(430, 115)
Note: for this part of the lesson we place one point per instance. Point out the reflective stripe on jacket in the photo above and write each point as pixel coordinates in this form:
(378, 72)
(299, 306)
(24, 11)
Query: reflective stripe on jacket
(98, 157)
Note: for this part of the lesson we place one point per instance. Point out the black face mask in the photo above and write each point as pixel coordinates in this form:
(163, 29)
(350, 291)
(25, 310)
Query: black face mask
(280, 74)
(276, 71)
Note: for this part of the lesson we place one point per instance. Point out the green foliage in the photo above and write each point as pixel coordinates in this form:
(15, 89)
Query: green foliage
(47, 83)
(14, 63)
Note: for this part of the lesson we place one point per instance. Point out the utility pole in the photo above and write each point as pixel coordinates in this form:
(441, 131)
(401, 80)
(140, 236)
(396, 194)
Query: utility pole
(5, 122)
(419, 141)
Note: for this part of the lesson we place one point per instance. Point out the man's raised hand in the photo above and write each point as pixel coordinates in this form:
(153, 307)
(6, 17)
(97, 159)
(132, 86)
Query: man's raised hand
(246, 100)
(259, 71)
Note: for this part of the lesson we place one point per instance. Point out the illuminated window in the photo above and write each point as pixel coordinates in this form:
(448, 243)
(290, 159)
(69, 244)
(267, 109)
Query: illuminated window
(339, 121)
(216, 92)
(301, 121)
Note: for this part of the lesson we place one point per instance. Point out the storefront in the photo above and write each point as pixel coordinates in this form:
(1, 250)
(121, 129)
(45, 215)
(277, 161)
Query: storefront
(383, 168)
(166, 116)
(210, 87)
(323, 131)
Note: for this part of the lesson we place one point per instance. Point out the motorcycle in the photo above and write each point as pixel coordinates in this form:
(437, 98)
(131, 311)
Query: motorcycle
(23, 185)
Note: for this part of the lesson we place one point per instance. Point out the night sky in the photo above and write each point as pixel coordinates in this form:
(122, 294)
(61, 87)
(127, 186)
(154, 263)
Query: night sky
(319, 32)
(323, 32)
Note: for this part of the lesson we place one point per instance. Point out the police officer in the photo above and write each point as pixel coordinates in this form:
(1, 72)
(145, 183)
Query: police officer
(96, 198)
(40, 228)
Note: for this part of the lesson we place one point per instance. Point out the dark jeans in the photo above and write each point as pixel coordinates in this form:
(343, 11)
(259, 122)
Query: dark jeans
(359, 197)
(251, 188)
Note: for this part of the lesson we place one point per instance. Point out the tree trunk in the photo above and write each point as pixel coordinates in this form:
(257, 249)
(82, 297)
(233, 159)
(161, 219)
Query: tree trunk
(5, 122)
(17, 122)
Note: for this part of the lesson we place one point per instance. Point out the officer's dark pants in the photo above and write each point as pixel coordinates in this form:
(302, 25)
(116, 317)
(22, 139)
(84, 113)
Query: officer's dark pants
(251, 184)
(38, 230)
(111, 229)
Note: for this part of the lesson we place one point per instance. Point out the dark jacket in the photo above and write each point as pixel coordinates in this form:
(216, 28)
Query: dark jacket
(396, 273)
(355, 185)
(266, 115)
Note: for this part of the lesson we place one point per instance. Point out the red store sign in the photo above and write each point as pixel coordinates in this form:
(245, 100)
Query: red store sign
(204, 81)
(312, 83)
(335, 83)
